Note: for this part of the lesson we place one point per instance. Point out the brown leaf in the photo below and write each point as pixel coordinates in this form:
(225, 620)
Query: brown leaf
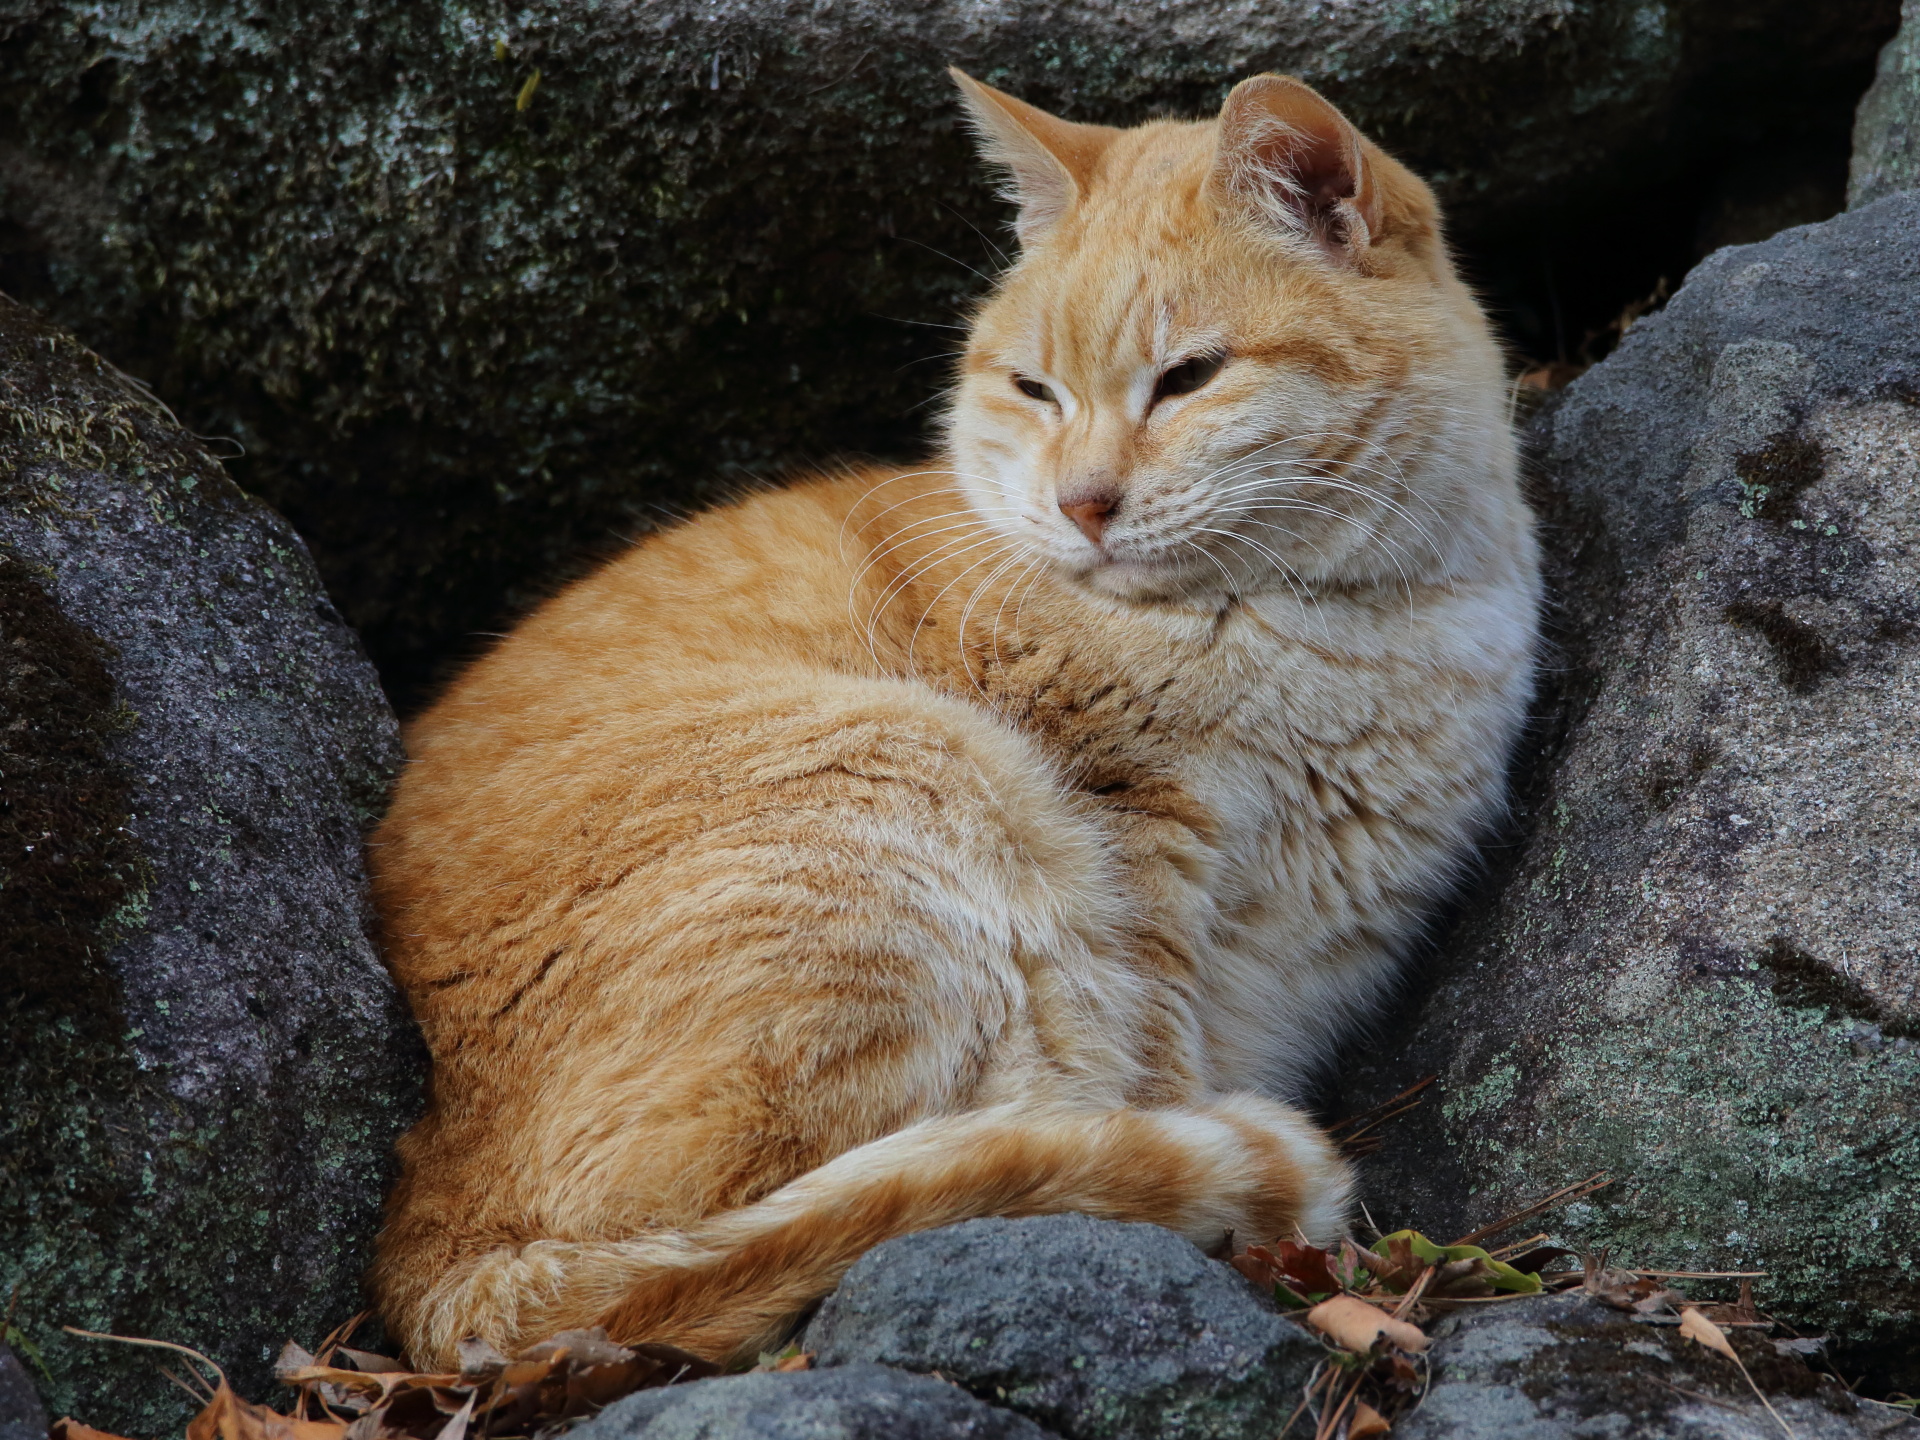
(1366, 1423)
(1533, 1261)
(1400, 1372)
(1307, 1269)
(370, 1363)
(228, 1417)
(579, 1347)
(292, 1358)
(1258, 1264)
(67, 1428)
(478, 1358)
(1624, 1290)
(1699, 1329)
(1355, 1325)
(1658, 1300)
(1467, 1278)
(1394, 1265)
(456, 1428)
(794, 1362)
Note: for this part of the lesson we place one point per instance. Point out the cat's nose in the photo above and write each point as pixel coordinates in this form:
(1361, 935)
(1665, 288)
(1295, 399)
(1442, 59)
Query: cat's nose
(1090, 511)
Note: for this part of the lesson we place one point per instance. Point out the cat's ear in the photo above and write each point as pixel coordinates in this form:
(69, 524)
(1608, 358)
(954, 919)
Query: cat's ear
(1049, 161)
(1293, 157)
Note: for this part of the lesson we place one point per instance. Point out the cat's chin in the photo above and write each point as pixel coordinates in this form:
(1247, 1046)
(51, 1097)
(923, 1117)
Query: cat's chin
(1142, 582)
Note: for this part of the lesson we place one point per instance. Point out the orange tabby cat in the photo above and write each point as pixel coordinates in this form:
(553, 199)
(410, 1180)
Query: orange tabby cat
(996, 838)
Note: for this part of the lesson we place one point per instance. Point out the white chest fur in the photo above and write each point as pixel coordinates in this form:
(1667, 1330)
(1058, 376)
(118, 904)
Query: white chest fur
(1361, 756)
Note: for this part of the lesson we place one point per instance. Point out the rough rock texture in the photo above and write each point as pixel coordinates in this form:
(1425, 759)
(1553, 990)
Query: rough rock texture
(1701, 973)
(1567, 1368)
(1095, 1329)
(476, 287)
(205, 1063)
(1886, 129)
(22, 1416)
(860, 1402)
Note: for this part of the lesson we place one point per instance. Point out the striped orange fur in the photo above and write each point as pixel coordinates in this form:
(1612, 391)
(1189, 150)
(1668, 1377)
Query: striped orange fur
(1004, 836)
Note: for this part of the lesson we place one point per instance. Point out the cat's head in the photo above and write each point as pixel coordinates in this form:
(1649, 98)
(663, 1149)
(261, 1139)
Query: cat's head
(1232, 356)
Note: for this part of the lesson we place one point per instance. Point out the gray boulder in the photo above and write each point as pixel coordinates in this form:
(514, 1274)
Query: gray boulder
(22, 1416)
(478, 289)
(1699, 970)
(1098, 1330)
(205, 1064)
(1568, 1368)
(1886, 128)
(859, 1402)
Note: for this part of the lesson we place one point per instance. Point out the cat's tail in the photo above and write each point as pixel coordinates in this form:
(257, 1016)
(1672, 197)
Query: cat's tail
(733, 1284)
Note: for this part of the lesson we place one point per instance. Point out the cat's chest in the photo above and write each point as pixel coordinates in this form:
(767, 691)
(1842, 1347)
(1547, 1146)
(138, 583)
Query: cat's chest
(1255, 722)
(1314, 770)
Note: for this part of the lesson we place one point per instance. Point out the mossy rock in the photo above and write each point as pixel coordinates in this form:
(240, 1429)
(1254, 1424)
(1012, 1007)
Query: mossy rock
(1697, 969)
(1566, 1367)
(205, 1064)
(481, 289)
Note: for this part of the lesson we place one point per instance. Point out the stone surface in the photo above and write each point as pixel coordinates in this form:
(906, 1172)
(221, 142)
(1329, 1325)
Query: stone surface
(860, 1402)
(1567, 1368)
(22, 1416)
(1095, 1329)
(477, 287)
(1699, 971)
(205, 1063)
(1886, 128)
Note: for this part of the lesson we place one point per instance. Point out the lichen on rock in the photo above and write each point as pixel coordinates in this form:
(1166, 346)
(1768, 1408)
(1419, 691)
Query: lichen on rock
(206, 1064)
(1886, 129)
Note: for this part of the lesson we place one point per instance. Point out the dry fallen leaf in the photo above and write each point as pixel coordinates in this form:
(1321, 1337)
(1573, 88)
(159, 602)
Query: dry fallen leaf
(70, 1429)
(1702, 1331)
(1354, 1325)
(228, 1417)
(1699, 1329)
(1366, 1422)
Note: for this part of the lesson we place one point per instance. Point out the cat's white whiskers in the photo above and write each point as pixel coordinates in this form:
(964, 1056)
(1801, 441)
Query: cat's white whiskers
(911, 574)
(1026, 578)
(960, 633)
(913, 640)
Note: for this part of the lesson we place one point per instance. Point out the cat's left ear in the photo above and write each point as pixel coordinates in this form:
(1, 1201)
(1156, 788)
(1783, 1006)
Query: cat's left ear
(1300, 164)
(1049, 161)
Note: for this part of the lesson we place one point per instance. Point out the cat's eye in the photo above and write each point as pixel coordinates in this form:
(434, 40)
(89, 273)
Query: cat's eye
(1189, 375)
(1034, 390)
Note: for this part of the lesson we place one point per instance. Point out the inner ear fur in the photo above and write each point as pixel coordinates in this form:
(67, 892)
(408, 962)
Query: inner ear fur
(1049, 162)
(1302, 167)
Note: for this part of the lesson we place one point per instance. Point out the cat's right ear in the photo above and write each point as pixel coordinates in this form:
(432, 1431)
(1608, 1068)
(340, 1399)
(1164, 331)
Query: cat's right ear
(1049, 161)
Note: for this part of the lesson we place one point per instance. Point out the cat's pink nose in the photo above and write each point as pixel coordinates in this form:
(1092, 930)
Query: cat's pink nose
(1090, 514)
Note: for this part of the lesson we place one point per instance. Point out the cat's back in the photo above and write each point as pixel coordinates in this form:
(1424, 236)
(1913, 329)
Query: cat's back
(758, 585)
(599, 711)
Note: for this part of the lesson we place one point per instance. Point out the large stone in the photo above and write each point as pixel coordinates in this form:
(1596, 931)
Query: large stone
(1568, 1368)
(476, 287)
(860, 1402)
(1886, 129)
(1700, 972)
(205, 1064)
(1098, 1330)
(22, 1416)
